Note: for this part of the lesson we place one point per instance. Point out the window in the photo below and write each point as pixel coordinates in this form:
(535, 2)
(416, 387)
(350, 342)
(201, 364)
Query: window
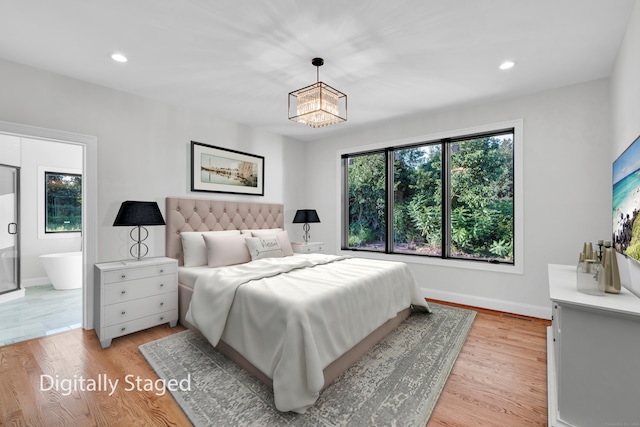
(450, 198)
(63, 201)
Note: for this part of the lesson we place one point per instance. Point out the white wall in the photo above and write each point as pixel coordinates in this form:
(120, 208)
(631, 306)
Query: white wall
(625, 88)
(143, 146)
(567, 175)
(625, 114)
(55, 157)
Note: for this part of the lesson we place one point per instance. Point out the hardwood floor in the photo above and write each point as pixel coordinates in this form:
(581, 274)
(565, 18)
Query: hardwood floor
(499, 379)
(500, 376)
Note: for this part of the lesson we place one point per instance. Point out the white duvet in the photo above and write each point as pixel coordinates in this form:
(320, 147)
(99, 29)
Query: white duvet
(291, 317)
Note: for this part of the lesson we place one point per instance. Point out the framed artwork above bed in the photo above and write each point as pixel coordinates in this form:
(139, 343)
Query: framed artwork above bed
(221, 170)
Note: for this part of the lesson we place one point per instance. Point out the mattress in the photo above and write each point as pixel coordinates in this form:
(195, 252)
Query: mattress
(291, 317)
(188, 275)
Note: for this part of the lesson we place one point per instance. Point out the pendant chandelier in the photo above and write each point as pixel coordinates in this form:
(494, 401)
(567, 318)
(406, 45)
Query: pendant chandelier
(319, 104)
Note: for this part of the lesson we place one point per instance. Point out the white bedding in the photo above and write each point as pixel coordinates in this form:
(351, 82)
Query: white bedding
(291, 326)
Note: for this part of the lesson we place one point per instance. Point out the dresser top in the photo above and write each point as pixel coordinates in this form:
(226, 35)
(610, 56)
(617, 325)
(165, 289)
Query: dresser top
(562, 288)
(134, 263)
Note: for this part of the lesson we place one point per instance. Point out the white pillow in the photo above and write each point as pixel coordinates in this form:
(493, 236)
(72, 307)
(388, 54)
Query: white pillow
(225, 249)
(281, 235)
(194, 249)
(264, 247)
(261, 231)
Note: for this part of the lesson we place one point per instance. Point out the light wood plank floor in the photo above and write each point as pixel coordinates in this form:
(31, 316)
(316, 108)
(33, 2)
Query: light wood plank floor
(499, 379)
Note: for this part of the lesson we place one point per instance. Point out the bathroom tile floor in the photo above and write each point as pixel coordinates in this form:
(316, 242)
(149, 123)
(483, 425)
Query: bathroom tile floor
(43, 311)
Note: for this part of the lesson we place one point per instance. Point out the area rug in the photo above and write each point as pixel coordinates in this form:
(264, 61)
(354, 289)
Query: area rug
(397, 382)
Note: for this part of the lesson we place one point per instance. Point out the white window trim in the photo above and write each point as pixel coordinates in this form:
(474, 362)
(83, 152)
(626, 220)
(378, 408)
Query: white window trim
(42, 205)
(518, 186)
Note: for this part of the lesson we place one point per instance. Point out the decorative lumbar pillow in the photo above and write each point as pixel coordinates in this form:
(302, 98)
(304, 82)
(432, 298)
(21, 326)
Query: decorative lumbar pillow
(264, 247)
(225, 249)
(281, 235)
(194, 249)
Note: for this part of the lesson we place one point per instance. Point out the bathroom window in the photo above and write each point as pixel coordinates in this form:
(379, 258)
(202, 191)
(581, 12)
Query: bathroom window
(63, 201)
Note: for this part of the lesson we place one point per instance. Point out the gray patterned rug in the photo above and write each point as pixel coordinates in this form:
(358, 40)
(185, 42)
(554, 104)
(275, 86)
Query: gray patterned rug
(397, 382)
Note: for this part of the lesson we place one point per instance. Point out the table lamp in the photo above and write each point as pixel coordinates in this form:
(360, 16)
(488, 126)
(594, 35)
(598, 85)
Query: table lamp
(138, 215)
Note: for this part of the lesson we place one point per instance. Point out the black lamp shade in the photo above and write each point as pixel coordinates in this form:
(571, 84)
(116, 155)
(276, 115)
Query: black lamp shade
(138, 213)
(306, 216)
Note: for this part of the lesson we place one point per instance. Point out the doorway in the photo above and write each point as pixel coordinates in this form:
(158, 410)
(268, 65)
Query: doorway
(89, 197)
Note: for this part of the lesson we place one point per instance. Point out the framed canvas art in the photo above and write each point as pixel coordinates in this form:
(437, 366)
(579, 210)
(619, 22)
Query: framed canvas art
(221, 170)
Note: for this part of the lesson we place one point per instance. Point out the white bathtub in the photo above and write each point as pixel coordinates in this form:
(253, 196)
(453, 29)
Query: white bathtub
(64, 269)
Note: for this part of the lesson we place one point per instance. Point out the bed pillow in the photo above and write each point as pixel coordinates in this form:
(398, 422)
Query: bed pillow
(225, 249)
(281, 235)
(263, 232)
(264, 247)
(194, 249)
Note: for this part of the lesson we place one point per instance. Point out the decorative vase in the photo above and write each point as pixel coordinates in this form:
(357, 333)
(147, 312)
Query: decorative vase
(588, 273)
(610, 267)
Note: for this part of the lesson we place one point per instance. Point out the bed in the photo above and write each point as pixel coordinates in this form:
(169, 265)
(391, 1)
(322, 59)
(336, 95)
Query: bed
(282, 319)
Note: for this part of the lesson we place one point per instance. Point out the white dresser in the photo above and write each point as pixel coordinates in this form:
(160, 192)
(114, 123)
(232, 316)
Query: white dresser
(134, 295)
(593, 355)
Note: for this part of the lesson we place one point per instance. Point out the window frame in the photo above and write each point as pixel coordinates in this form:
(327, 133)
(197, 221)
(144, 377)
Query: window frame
(441, 260)
(46, 174)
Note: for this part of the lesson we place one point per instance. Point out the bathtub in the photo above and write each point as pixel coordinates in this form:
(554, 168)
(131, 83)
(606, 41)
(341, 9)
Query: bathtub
(64, 269)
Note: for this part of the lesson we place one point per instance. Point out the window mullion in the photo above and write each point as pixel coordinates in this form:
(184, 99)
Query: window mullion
(445, 177)
(389, 199)
(344, 244)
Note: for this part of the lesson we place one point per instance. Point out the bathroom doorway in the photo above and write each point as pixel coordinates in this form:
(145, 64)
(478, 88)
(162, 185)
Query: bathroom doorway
(86, 239)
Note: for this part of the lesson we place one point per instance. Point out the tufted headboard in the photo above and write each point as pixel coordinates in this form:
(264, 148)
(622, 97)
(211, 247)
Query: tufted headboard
(214, 215)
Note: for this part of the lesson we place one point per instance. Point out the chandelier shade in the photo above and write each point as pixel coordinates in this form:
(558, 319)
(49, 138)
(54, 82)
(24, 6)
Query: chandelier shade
(319, 104)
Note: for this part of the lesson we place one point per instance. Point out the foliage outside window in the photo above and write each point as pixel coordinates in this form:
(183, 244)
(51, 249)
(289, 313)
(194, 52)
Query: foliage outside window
(451, 198)
(63, 201)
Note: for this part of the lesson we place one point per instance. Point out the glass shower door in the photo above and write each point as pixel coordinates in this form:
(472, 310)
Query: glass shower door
(9, 242)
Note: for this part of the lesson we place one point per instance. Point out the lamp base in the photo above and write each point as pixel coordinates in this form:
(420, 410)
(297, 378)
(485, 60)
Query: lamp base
(306, 229)
(139, 250)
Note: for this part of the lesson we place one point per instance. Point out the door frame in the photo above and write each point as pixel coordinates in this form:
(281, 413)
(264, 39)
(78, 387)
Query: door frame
(89, 197)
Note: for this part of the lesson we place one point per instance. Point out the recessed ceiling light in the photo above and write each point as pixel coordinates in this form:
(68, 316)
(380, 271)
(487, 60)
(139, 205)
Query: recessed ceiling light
(506, 65)
(118, 57)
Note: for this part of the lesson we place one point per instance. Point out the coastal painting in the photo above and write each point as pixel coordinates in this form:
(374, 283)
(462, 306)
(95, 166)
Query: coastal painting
(221, 170)
(626, 201)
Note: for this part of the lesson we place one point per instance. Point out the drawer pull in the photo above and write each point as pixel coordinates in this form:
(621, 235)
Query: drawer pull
(123, 313)
(161, 304)
(161, 270)
(161, 317)
(124, 276)
(161, 285)
(123, 329)
(124, 292)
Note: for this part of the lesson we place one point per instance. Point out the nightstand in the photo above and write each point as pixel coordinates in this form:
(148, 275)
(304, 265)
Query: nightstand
(134, 295)
(307, 248)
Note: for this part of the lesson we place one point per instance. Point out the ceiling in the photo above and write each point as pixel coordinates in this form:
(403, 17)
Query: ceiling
(239, 59)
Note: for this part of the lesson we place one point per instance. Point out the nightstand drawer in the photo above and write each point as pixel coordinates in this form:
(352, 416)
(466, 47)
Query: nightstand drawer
(121, 275)
(140, 288)
(139, 324)
(131, 310)
(307, 248)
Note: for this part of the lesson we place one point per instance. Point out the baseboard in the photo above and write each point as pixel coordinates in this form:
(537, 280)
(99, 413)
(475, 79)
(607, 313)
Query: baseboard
(36, 281)
(490, 303)
(10, 296)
